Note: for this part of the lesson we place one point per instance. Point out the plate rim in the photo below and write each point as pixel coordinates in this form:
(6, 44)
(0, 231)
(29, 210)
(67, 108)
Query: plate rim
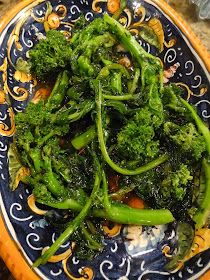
(9, 250)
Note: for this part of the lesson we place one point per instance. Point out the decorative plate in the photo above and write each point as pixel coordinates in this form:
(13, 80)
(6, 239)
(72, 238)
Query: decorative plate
(130, 252)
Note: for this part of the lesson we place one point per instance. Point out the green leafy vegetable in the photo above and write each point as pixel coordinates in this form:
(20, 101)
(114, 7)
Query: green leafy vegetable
(106, 118)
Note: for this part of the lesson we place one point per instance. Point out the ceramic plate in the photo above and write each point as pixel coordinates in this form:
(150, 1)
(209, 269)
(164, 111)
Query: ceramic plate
(130, 252)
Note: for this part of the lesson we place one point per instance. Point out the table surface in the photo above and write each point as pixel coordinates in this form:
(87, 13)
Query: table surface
(187, 11)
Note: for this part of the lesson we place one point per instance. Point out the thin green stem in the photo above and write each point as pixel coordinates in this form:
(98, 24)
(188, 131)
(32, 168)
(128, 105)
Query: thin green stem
(119, 97)
(135, 81)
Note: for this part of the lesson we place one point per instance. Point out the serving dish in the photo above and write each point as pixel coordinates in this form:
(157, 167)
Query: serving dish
(23, 233)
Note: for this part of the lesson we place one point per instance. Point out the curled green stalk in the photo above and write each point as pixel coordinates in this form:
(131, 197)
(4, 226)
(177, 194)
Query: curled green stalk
(58, 92)
(102, 143)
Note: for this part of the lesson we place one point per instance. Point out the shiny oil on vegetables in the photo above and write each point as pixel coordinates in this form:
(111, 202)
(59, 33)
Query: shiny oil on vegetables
(110, 118)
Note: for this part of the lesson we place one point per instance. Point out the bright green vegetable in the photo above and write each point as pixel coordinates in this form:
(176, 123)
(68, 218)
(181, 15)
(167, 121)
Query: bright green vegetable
(105, 119)
(186, 137)
(202, 128)
(84, 139)
(50, 55)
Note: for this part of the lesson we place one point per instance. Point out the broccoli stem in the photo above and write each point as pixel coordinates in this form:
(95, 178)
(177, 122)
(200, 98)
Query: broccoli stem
(135, 81)
(46, 138)
(58, 92)
(203, 129)
(54, 185)
(102, 143)
(107, 204)
(72, 226)
(35, 155)
(116, 82)
(119, 97)
(129, 42)
(84, 139)
(123, 214)
(52, 182)
(126, 215)
(118, 213)
(68, 203)
(201, 216)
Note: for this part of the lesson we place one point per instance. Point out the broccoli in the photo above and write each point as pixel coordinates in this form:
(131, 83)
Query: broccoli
(174, 185)
(137, 138)
(163, 188)
(50, 55)
(186, 137)
(34, 128)
(171, 99)
(101, 108)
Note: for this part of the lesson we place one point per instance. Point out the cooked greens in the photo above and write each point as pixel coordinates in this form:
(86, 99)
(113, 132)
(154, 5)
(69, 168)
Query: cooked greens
(106, 118)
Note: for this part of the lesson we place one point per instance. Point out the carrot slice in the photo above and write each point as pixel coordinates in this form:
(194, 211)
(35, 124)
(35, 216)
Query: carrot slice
(135, 202)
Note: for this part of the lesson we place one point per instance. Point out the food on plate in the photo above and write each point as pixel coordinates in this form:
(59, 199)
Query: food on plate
(111, 142)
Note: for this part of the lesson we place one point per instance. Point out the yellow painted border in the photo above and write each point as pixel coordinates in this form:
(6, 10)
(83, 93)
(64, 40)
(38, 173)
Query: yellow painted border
(9, 251)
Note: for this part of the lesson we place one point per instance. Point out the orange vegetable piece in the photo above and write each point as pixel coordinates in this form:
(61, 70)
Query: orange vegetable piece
(135, 202)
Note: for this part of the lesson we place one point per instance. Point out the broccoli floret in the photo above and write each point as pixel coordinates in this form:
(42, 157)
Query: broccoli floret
(50, 55)
(170, 97)
(136, 140)
(186, 137)
(174, 185)
(34, 115)
(163, 188)
(40, 191)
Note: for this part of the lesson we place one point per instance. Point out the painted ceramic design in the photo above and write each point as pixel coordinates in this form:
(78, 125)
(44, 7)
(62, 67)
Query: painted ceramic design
(130, 252)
